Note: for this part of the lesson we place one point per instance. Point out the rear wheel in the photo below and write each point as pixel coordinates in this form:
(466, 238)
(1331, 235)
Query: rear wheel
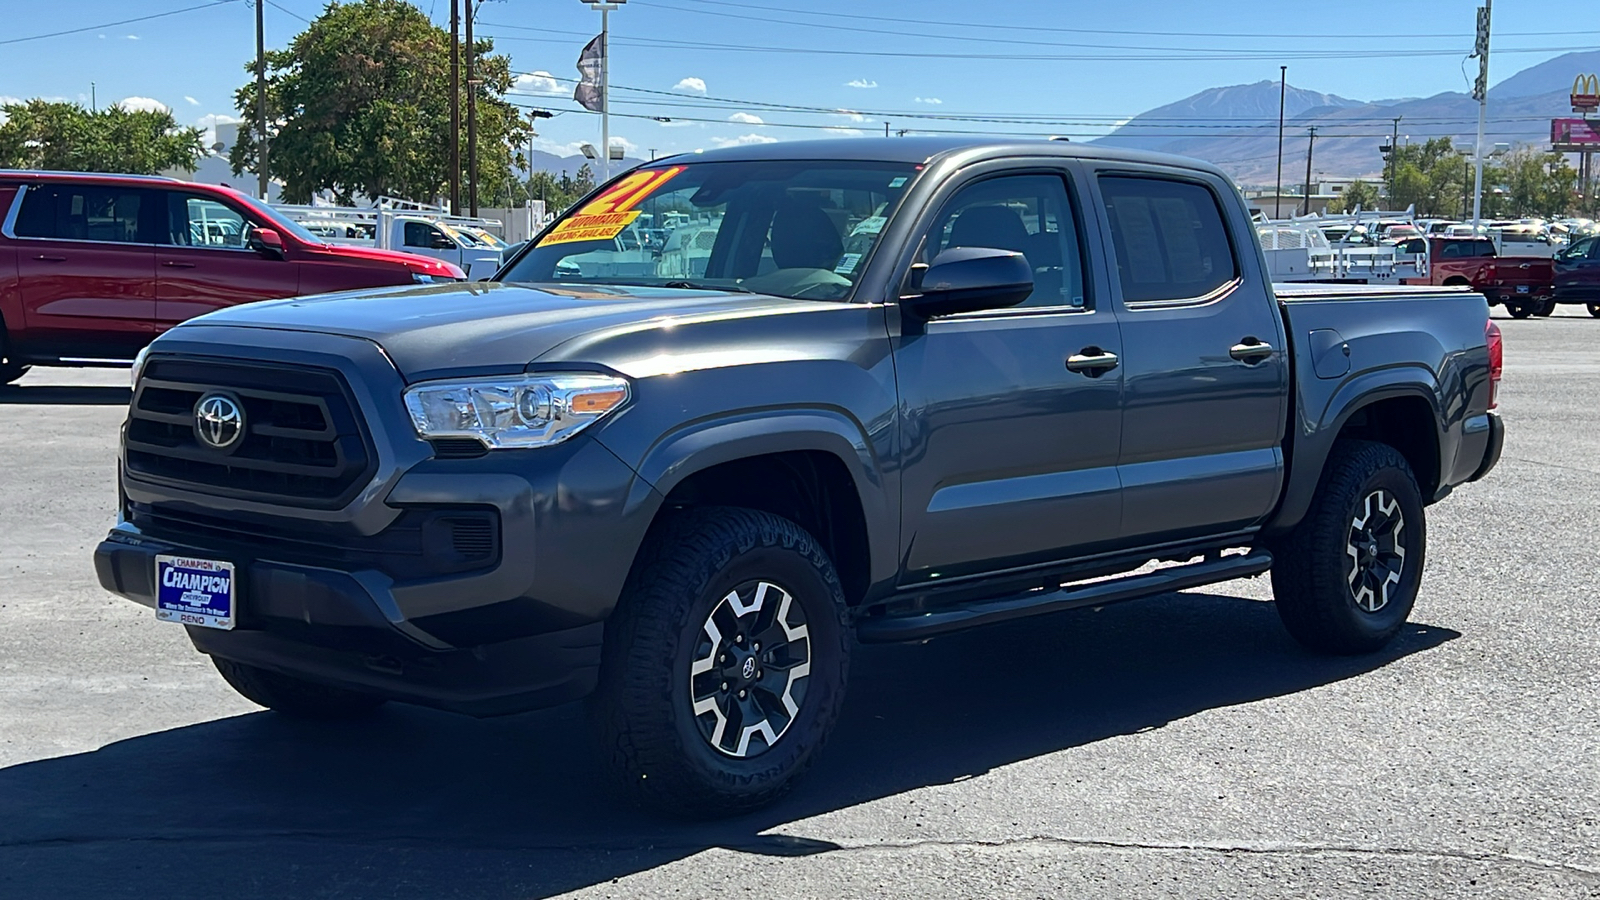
(1348, 575)
(1594, 310)
(1546, 308)
(294, 696)
(1519, 310)
(725, 662)
(10, 371)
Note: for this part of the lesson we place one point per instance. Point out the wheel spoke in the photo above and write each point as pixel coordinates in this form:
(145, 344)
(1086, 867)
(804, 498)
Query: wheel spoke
(747, 678)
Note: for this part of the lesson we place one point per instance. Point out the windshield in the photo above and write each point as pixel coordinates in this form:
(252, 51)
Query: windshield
(801, 229)
(281, 223)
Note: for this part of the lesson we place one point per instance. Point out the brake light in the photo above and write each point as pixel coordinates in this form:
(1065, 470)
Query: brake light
(1496, 362)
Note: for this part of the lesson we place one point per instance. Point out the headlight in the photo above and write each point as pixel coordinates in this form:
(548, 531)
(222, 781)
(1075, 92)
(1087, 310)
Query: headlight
(138, 367)
(517, 411)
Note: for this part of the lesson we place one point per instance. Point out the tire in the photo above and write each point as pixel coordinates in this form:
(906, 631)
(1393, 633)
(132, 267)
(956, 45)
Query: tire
(1519, 310)
(1329, 601)
(664, 725)
(293, 696)
(10, 372)
(1594, 310)
(1546, 309)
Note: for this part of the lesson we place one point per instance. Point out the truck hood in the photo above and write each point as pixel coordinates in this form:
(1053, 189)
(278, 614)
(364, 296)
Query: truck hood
(425, 265)
(433, 331)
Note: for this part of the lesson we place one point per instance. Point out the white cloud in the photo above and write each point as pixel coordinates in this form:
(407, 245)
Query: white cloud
(192, 101)
(143, 103)
(932, 101)
(850, 114)
(744, 139)
(540, 83)
(861, 83)
(209, 124)
(691, 85)
(130, 37)
(844, 131)
(744, 118)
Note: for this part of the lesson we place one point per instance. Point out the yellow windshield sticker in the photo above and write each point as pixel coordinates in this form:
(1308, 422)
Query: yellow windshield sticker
(604, 217)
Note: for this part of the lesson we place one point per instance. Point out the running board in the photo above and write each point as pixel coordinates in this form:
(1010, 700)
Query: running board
(917, 626)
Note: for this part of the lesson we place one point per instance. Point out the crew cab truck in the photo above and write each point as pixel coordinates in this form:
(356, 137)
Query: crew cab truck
(1052, 365)
(1525, 284)
(93, 267)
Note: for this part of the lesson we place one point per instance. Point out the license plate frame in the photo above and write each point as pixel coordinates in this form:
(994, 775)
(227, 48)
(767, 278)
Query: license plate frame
(199, 592)
(1522, 288)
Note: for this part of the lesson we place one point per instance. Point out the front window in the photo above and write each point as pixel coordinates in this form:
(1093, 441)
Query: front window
(802, 229)
(195, 221)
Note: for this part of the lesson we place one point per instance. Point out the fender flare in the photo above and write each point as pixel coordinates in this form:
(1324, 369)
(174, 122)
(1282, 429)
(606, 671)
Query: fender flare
(1311, 447)
(712, 442)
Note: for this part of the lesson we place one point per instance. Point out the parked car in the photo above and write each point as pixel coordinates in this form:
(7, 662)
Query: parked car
(1525, 284)
(93, 267)
(1050, 365)
(1577, 274)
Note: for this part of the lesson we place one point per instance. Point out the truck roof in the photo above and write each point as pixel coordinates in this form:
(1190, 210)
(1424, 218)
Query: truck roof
(927, 149)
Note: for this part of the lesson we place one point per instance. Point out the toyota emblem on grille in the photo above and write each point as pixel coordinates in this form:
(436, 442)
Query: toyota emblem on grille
(218, 421)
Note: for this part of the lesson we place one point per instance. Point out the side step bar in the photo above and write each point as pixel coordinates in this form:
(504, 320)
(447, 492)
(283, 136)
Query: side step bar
(917, 626)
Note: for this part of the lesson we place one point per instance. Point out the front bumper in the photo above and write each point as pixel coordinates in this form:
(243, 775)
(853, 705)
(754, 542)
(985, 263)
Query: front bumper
(344, 629)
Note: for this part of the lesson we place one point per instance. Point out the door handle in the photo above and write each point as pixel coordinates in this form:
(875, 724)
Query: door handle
(43, 258)
(1250, 351)
(1092, 361)
(174, 264)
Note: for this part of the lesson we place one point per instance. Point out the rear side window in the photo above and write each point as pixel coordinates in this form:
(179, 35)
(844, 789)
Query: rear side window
(1169, 236)
(108, 214)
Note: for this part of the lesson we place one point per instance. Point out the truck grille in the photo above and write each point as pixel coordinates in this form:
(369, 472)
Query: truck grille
(302, 442)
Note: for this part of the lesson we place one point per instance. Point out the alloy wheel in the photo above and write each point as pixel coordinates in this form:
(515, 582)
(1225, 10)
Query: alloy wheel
(1376, 549)
(750, 667)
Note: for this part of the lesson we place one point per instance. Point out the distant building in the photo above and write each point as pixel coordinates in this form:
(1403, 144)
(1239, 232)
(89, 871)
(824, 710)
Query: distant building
(215, 169)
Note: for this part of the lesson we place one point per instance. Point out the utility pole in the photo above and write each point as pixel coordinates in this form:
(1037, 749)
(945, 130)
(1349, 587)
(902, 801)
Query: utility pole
(261, 99)
(472, 115)
(1309, 148)
(455, 107)
(1480, 92)
(1394, 156)
(886, 129)
(94, 105)
(1277, 192)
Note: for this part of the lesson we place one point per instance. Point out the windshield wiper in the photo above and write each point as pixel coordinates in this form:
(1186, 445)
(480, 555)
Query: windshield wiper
(694, 286)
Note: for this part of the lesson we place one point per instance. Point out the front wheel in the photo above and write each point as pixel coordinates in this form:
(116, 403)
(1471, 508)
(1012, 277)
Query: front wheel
(1348, 575)
(1594, 310)
(294, 696)
(10, 371)
(725, 662)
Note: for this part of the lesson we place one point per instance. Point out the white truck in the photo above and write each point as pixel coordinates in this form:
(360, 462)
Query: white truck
(408, 227)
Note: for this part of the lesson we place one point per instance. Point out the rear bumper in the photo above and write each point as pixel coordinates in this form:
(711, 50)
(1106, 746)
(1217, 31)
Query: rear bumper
(1491, 453)
(344, 629)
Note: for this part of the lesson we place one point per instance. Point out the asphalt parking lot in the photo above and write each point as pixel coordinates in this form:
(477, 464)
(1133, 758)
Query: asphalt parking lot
(1180, 747)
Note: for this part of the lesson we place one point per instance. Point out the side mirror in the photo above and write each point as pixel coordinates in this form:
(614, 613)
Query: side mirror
(266, 242)
(966, 279)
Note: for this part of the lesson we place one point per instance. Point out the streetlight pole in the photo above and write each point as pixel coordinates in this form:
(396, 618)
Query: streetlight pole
(472, 115)
(261, 98)
(455, 107)
(1480, 92)
(605, 7)
(1277, 192)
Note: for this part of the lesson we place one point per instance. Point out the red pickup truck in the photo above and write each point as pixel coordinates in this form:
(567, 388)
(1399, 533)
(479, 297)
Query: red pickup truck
(1525, 284)
(93, 267)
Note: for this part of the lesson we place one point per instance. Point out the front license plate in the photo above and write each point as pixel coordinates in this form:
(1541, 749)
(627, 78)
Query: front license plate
(195, 591)
(1522, 289)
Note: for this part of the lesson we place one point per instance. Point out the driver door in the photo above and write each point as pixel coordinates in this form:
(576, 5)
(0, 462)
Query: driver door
(1578, 271)
(204, 262)
(1009, 457)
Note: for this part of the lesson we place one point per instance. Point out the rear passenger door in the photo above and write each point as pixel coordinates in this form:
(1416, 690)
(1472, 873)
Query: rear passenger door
(1205, 366)
(86, 267)
(204, 263)
(1009, 450)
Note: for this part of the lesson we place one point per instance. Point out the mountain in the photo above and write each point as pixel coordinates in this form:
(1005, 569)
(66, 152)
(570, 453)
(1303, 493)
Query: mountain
(1551, 76)
(1236, 127)
(569, 165)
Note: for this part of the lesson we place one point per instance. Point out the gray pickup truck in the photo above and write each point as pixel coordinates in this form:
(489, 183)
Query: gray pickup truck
(864, 391)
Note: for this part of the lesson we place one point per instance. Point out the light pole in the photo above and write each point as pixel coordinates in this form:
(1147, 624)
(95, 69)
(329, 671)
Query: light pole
(534, 115)
(1480, 92)
(455, 107)
(261, 99)
(1277, 192)
(1309, 148)
(606, 7)
(472, 115)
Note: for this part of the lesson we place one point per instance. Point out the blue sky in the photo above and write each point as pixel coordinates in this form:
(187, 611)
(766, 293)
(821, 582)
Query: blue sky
(1111, 60)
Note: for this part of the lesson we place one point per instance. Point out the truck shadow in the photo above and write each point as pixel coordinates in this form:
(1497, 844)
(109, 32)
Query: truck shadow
(64, 395)
(419, 803)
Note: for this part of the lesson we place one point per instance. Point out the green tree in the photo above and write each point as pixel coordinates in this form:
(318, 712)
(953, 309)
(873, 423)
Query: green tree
(1427, 176)
(1357, 193)
(1536, 182)
(68, 137)
(361, 106)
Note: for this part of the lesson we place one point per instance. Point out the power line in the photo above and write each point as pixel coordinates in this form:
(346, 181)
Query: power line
(1038, 28)
(160, 15)
(284, 9)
